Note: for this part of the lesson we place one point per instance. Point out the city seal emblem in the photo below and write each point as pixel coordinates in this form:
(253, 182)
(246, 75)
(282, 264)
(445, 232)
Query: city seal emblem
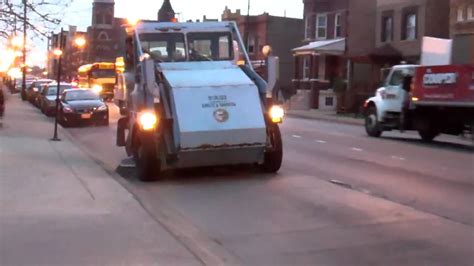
(221, 115)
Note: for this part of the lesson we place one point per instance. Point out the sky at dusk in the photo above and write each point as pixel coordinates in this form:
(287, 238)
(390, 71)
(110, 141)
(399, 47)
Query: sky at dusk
(78, 13)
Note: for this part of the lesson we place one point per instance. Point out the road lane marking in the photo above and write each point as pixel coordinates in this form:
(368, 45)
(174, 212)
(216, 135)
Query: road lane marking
(341, 183)
(296, 136)
(357, 149)
(398, 158)
(321, 141)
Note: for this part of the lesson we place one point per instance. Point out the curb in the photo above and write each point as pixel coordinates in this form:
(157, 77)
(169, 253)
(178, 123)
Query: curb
(327, 119)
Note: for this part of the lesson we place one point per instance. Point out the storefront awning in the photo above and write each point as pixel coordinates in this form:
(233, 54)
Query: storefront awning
(332, 47)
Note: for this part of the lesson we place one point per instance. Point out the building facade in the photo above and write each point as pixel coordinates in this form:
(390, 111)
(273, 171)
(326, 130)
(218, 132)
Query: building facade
(73, 55)
(462, 31)
(106, 36)
(348, 43)
(336, 47)
(402, 24)
(281, 33)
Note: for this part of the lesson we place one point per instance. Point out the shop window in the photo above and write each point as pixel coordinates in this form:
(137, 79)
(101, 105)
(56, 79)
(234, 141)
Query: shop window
(470, 12)
(321, 26)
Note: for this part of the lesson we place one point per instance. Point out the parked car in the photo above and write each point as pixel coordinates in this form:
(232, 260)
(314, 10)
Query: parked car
(82, 105)
(33, 89)
(47, 99)
(16, 86)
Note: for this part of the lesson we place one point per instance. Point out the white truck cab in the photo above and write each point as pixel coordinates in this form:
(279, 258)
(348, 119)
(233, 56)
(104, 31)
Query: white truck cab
(383, 111)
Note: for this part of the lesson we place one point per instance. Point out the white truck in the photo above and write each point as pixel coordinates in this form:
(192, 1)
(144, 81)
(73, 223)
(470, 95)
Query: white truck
(429, 99)
(190, 98)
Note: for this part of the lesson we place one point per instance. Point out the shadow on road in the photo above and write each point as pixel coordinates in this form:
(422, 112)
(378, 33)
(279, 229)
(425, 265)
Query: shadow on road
(466, 148)
(201, 175)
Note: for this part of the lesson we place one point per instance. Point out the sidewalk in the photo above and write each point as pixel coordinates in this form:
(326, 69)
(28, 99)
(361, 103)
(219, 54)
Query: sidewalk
(328, 116)
(58, 207)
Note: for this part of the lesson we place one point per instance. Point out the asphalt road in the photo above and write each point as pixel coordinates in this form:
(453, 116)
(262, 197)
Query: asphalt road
(341, 198)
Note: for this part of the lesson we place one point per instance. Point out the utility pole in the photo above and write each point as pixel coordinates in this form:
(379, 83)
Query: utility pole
(60, 47)
(23, 83)
(247, 27)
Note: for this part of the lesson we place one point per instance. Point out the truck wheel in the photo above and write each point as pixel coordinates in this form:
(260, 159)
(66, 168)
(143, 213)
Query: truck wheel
(428, 135)
(372, 126)
(273, 158)
(146, 161)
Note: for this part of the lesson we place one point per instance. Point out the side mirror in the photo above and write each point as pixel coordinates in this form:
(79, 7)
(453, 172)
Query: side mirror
(149, 73)
(273, 68)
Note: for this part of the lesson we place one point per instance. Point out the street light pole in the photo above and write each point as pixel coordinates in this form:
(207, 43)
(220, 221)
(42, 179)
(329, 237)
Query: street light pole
(247, 27)
(60, 47)
(23, 82)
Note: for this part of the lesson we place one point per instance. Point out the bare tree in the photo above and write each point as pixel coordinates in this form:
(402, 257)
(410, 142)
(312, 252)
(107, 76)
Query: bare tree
(43, 16)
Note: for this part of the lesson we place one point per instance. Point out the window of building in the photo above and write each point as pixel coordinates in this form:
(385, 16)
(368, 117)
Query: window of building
(329, 101)
(321, 26)
(460, 14)
(306, 67)
(307, 27)
(98, 19)
(103, 36)
(338, 25)
(252, 44)
(108, 19)
(470, 12)
(387, 29)
(321, 71)
(410, 26)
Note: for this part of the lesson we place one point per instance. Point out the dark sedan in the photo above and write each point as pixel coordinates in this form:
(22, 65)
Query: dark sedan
(79, 106)
(47, 98)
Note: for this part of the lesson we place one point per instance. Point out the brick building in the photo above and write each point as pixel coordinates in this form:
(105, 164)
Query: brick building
(105, 39)
(347, 42)
(281, 33)
(462, 31)
(402, 24)
(105, 35)
(335, 52)
(73, 55)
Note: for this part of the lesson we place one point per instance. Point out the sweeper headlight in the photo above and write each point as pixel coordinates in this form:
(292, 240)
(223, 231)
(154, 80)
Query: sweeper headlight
(148, 120)
(277, 113)
(97, 89)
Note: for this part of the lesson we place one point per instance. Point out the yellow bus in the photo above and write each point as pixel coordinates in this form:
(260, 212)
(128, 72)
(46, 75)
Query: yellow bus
(98, 76)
